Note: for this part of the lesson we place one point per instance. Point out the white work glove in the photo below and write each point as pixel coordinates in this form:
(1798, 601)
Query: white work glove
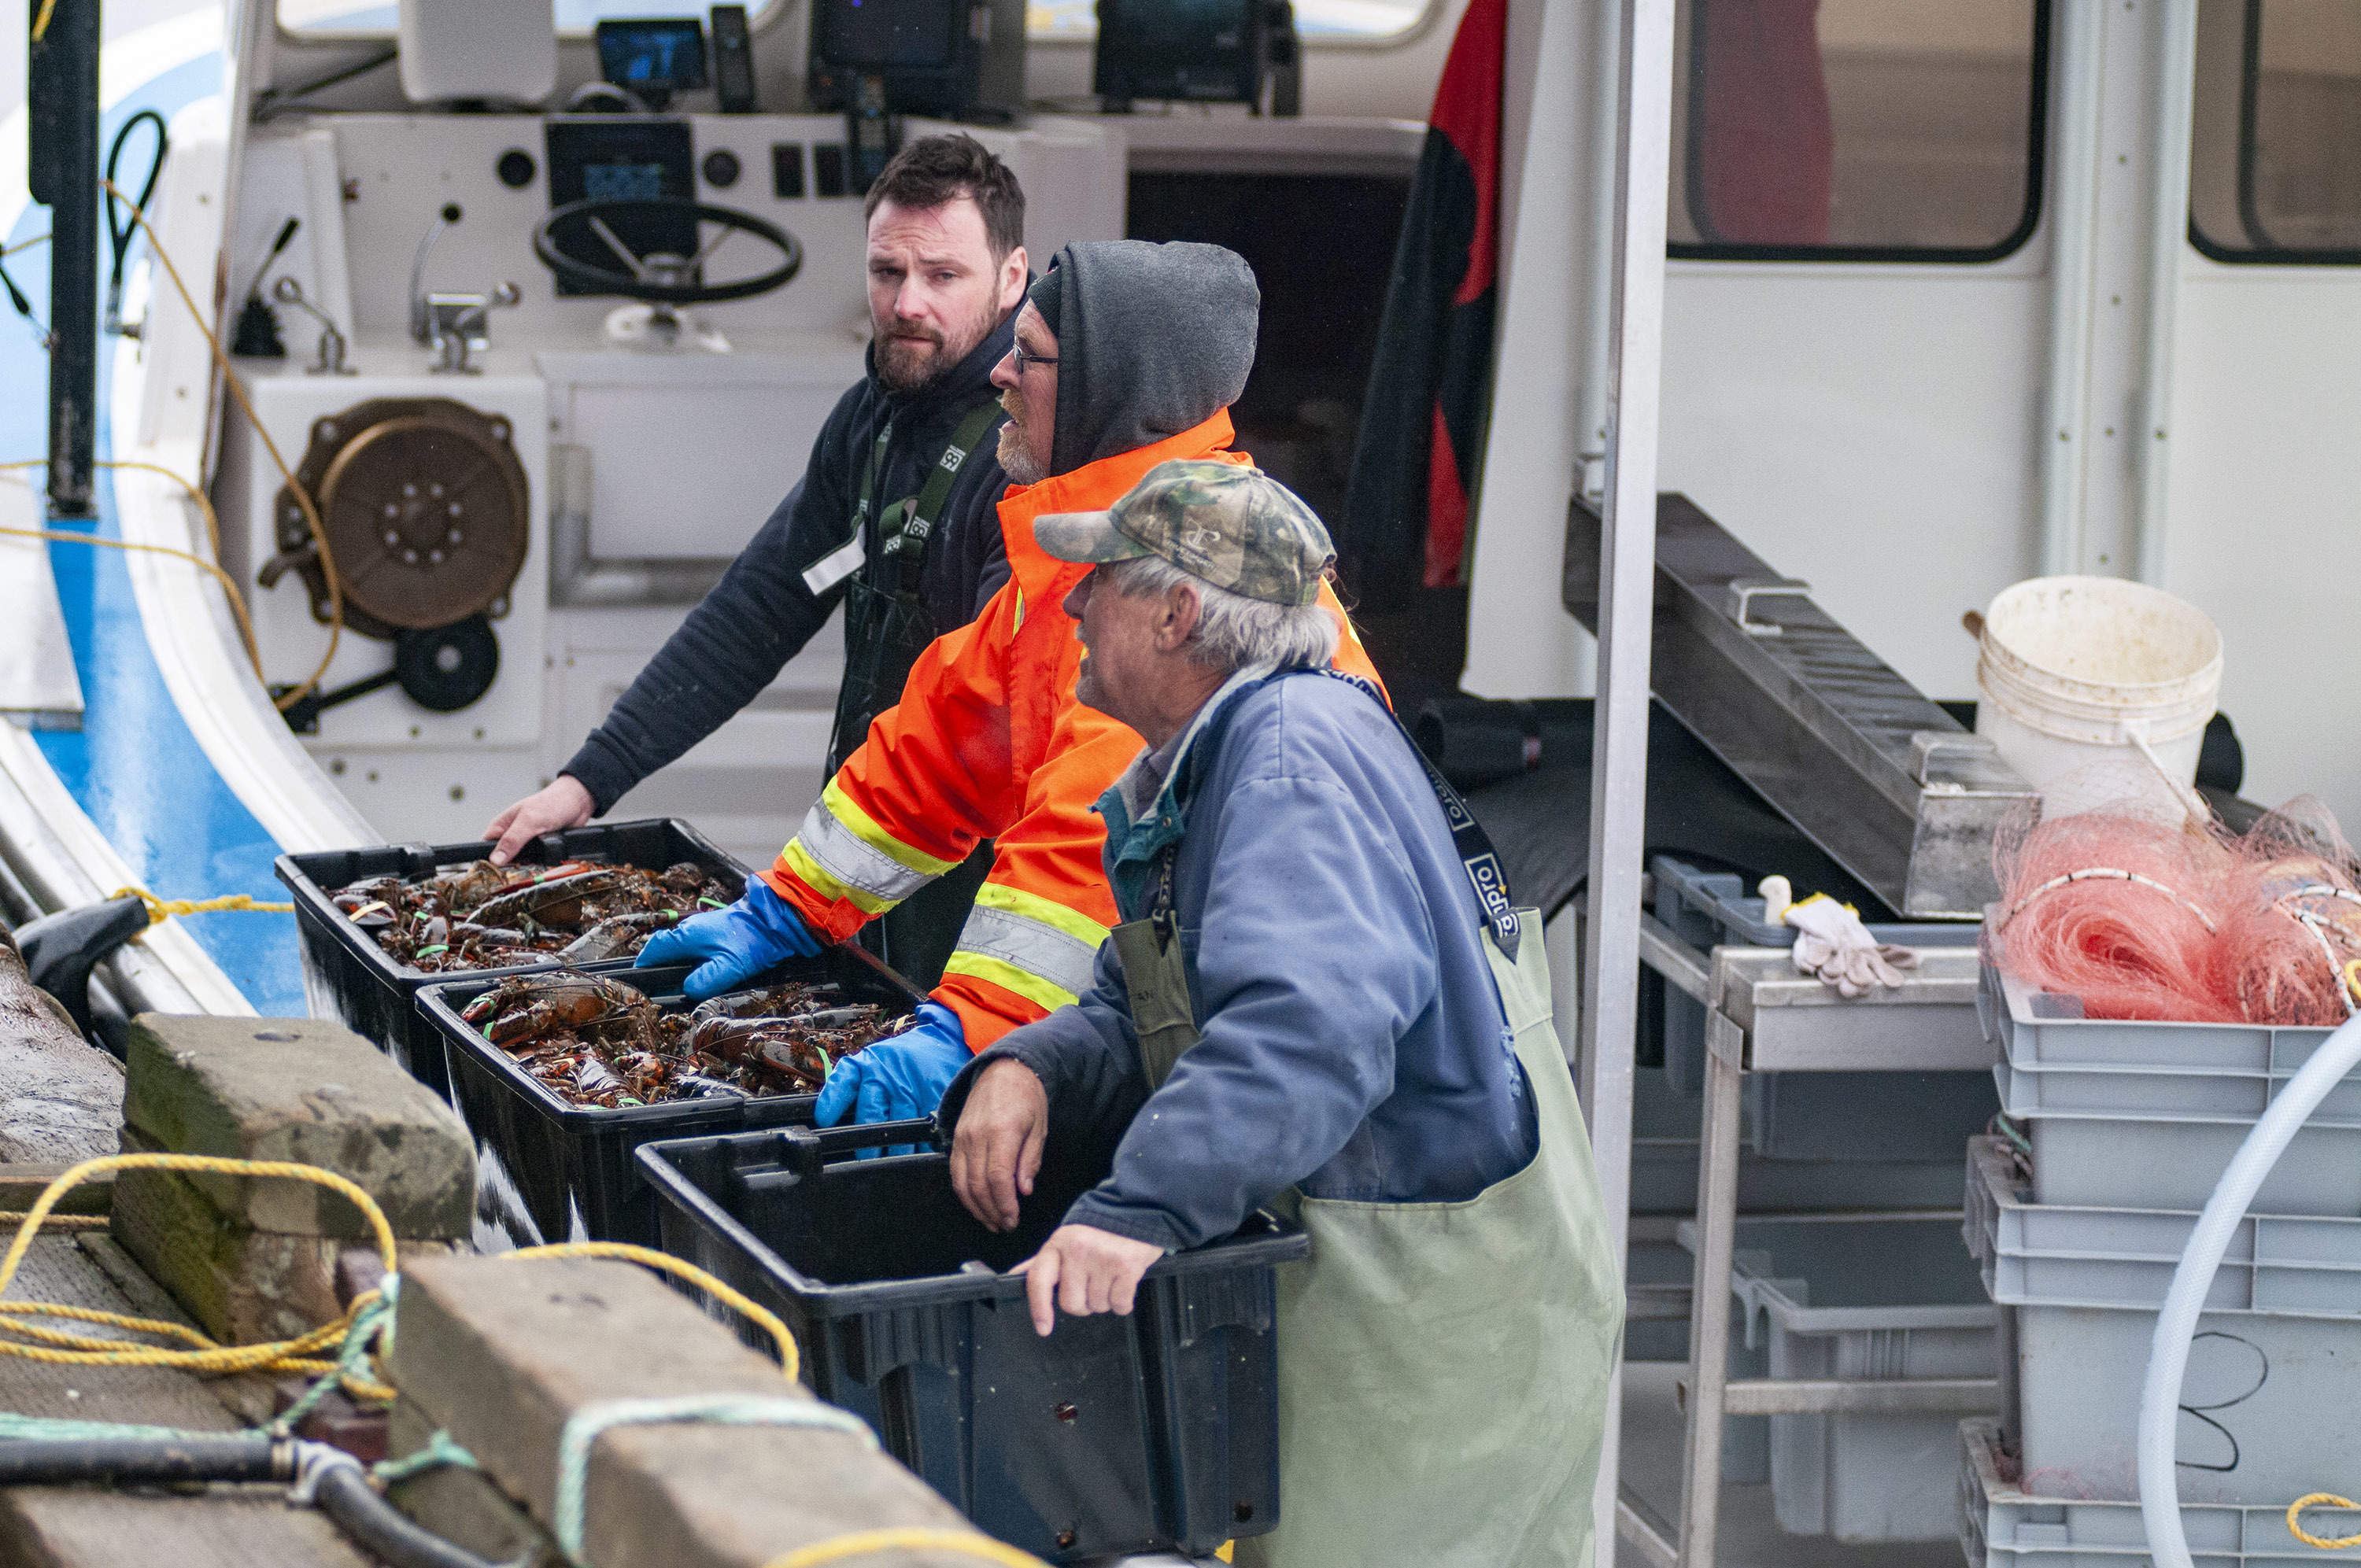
(1834, 946)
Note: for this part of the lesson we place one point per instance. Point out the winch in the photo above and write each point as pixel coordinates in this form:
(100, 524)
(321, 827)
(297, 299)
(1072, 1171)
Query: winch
(423, 500)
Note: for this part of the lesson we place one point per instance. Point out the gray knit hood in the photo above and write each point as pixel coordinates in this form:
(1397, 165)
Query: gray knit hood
(1152, 340)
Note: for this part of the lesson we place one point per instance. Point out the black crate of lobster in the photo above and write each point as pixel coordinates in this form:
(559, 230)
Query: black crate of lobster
(1148, 1432)
(349, 974)
(555, 1138)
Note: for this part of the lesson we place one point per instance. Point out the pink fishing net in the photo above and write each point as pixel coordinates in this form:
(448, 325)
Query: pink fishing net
(2144, 914)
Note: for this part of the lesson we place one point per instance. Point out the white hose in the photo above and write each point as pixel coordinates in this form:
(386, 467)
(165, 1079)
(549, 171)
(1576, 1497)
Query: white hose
(2167, 1358)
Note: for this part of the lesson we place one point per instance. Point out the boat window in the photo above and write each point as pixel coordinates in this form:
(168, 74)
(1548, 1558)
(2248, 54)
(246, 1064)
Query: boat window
(366, 18)
(1316, 21)
(1870, 130)
(2274, 157)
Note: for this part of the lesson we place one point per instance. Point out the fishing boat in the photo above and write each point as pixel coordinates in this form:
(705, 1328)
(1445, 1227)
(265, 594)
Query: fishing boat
(367, 477)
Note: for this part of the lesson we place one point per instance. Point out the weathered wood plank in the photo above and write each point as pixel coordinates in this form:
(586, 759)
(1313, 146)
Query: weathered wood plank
(21, 1186)
(74, 1527)
(504, 1354)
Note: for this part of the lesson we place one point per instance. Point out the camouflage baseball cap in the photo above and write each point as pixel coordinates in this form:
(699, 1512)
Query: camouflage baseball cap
(1230, 525)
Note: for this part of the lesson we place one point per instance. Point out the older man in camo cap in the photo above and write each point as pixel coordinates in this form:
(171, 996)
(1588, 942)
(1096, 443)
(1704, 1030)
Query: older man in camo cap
(1319, 1002)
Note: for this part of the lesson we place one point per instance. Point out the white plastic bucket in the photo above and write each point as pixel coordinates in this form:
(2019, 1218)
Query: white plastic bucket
(2076, 671)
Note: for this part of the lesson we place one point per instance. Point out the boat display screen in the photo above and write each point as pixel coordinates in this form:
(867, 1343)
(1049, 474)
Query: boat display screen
(623, 181)
(619, 158)
(666, 54)
(876, 34)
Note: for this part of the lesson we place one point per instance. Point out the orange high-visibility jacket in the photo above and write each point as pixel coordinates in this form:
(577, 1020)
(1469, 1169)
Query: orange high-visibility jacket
(988, 742)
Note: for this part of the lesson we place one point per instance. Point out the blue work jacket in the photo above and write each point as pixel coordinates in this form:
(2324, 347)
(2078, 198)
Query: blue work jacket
(1353, 1040)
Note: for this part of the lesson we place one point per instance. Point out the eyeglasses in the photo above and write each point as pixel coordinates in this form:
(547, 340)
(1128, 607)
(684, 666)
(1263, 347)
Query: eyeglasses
(1022, 358)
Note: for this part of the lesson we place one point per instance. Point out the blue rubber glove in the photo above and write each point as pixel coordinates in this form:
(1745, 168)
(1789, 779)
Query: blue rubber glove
(899, 1079)
(758, 932)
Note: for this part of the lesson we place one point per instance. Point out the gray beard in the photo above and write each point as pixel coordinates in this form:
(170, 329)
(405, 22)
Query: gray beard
(1020, 468)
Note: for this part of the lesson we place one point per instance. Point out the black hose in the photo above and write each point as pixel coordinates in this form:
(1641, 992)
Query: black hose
(120, 236)
(341, 1488)
(378, 1528)
(142, 1461)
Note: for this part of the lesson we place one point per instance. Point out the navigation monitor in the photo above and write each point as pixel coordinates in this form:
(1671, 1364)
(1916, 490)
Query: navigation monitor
(621, 158)
(653, 56)
(1205, 50)
(928, 56)
(865, 36)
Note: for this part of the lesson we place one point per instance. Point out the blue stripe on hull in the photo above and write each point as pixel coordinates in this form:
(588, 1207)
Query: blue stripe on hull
(135, 767)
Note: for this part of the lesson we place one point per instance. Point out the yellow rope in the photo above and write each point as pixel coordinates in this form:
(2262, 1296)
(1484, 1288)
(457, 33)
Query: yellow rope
(61, 1221)
(2322, 1500)
(60, 1347)
(26, 245)
(161, 909)
(60, 536)
(868, 1542)
(790, 1359)
(319, 530)
(2353, 978)
(41, 22)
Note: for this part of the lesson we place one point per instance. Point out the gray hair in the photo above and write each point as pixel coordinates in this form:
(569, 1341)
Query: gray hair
(1233, 631)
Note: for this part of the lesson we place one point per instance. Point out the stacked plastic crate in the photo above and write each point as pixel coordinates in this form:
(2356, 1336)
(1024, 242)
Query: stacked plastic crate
(2114, 1135)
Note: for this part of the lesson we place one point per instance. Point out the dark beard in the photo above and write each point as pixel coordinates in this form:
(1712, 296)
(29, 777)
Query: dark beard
(906, 378)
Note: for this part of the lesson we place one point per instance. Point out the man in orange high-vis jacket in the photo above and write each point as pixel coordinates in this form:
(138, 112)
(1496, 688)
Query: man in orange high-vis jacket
(1127, 355)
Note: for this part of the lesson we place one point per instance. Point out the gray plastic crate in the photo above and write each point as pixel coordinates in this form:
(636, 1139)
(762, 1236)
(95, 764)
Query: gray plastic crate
(2148, 1115)
(2002, 1525)
(2036, 1028)
(2126, 1258)
(2273, 1394)
(2131, 1089)
(1867, 1296)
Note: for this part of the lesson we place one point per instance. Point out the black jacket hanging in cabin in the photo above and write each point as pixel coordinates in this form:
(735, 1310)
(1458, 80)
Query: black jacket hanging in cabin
(1414, 463)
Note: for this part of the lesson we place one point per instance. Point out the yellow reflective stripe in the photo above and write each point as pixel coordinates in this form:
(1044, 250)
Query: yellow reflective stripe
(1020, 611)
(1042, 994)
(1047, 910)
(864, 829)
(1047, 951)
(839, 863)
(818, 878)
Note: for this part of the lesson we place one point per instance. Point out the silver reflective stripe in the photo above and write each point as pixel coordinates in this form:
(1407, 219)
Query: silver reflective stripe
(835, 565)
(843, 856)
(1063, 960)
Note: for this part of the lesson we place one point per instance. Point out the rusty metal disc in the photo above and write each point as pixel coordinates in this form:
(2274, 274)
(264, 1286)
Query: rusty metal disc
(425, 505)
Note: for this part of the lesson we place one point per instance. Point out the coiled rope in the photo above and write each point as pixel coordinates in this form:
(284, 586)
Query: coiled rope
(351, 1336)
(2319, 1500)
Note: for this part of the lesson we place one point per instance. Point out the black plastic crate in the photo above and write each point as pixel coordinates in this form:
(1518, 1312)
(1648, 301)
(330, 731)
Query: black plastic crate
(372, 993)
(548, 1170)
(1154, 1432)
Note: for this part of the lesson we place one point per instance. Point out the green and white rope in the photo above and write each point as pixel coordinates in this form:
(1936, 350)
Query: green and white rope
(584, 1427)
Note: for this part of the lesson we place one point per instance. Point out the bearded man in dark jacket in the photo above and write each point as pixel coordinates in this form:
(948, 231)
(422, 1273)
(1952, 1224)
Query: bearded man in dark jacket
(864, 528)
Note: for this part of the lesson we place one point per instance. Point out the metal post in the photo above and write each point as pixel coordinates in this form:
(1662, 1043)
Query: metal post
(2073, 243)
(1716, 1233)
(2168, 237)
(1627, 566)
(1599, 263)
(61, 103)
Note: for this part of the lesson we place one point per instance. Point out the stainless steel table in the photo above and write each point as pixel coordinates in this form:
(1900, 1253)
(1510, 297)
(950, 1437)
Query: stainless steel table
(1762, 1016)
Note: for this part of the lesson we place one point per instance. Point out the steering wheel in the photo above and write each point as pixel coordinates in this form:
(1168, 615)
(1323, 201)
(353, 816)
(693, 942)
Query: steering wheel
(661, 279)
